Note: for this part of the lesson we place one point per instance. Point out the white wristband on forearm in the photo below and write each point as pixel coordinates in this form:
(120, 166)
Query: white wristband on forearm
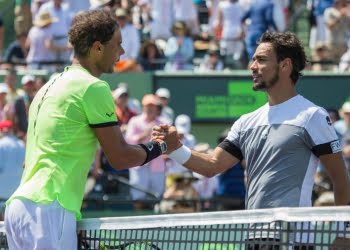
(181, 155)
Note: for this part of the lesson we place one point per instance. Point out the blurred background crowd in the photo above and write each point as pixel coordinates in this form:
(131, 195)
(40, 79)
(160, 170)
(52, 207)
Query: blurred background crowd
(166, 35)
(174, 35)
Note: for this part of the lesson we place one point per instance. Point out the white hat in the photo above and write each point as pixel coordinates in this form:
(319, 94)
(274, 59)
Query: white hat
(346, 107)
(118, 92)
(163, 92)
(95, 4)
(27, 78)
(3, 88)
(183, 124)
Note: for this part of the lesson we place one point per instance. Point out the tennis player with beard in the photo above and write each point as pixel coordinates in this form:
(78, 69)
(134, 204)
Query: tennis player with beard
(282, 142)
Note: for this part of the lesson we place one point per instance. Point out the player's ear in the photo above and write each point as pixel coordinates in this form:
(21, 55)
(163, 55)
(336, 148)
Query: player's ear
(97, 46)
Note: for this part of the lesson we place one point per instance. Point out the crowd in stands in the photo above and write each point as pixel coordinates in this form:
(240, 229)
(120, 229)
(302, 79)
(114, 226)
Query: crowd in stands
(172, 35)
(161, 35)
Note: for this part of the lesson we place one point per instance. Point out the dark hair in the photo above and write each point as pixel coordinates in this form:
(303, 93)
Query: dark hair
(287, 45)
(89, 27)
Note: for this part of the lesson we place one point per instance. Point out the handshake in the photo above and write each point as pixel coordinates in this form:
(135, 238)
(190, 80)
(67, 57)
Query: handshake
(167, 134)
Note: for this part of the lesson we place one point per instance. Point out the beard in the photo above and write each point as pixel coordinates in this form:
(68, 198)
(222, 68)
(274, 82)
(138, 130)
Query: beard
(264, 85)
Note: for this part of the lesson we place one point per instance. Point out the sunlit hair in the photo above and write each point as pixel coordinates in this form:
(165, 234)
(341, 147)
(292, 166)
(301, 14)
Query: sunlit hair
(287, 45)
(89, 27)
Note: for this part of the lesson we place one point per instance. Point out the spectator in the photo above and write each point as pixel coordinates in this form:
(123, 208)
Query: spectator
(319, 7)
(4, 107)
(39, 82)
(186, 11)
(131, 43)
(124, 113)
(337, 19)
(142, 19)
(343, 126)
(151, 57)
(35, 6)
(230, 13)
(321, 59)
(59, 10)
(164, 97)
(23, 16)
(133, 103)
(162, 19)
(180, 196)
(260, 14)
(179, 49)
(183, 126)
(42, 51)
(22, 104)
(211, 60)
(150, 177)
(344, 64)
(12, 152)
(17, 52)
(13, 92)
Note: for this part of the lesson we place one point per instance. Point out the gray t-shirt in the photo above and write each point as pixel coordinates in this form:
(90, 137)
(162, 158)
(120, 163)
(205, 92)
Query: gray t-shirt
(281, 145)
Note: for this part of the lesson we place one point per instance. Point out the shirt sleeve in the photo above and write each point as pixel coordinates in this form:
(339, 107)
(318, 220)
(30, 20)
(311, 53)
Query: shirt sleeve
(231, 143)
(322, 133)
(99, 105)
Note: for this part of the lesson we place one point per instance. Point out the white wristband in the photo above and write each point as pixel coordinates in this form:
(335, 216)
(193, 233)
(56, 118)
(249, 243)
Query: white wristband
(181, 155)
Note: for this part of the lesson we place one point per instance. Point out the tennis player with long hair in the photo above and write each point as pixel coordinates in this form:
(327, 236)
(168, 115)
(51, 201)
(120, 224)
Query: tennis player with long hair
(67, 118)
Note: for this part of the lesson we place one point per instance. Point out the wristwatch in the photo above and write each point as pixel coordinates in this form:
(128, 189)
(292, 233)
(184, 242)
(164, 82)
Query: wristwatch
(163, 146)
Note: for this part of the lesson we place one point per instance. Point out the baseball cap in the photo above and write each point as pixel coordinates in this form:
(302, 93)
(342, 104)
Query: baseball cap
(118, 92)
(6, 124)
(346, 107)
(120, 12)
(183, 124)
(163, 92)
(27, 78)
(150, 99)
(3, 88)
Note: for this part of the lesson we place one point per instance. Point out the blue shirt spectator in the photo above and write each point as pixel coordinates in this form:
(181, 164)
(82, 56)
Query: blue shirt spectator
(260, 14)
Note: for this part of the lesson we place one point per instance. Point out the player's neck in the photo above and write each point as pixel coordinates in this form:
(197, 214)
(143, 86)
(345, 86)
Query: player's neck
(280, 94)
(86, 64)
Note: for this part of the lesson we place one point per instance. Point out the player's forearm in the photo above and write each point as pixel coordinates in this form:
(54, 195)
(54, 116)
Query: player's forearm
(202, 163)
(342, 192)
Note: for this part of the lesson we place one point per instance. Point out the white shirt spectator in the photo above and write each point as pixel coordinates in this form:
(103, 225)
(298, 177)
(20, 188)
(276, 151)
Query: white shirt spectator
(131, 42)
(186, 11)
(163, 17)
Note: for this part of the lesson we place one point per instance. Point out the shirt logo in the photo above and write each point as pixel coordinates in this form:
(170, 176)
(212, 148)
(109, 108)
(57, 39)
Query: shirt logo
(329, 121)
(109, 114)
(150, 147)
(336, 147)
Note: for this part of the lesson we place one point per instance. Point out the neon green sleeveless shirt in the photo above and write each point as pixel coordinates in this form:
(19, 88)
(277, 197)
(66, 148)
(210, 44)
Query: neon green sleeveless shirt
(61, 142)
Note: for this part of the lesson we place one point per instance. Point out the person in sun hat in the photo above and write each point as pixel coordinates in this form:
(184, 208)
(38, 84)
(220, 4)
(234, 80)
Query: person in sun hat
(41, 54)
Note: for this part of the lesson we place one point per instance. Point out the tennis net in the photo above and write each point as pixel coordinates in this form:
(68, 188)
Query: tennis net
(279, 228)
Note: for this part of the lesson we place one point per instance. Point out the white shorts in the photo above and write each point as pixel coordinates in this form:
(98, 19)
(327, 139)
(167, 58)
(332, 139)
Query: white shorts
(31, 225)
